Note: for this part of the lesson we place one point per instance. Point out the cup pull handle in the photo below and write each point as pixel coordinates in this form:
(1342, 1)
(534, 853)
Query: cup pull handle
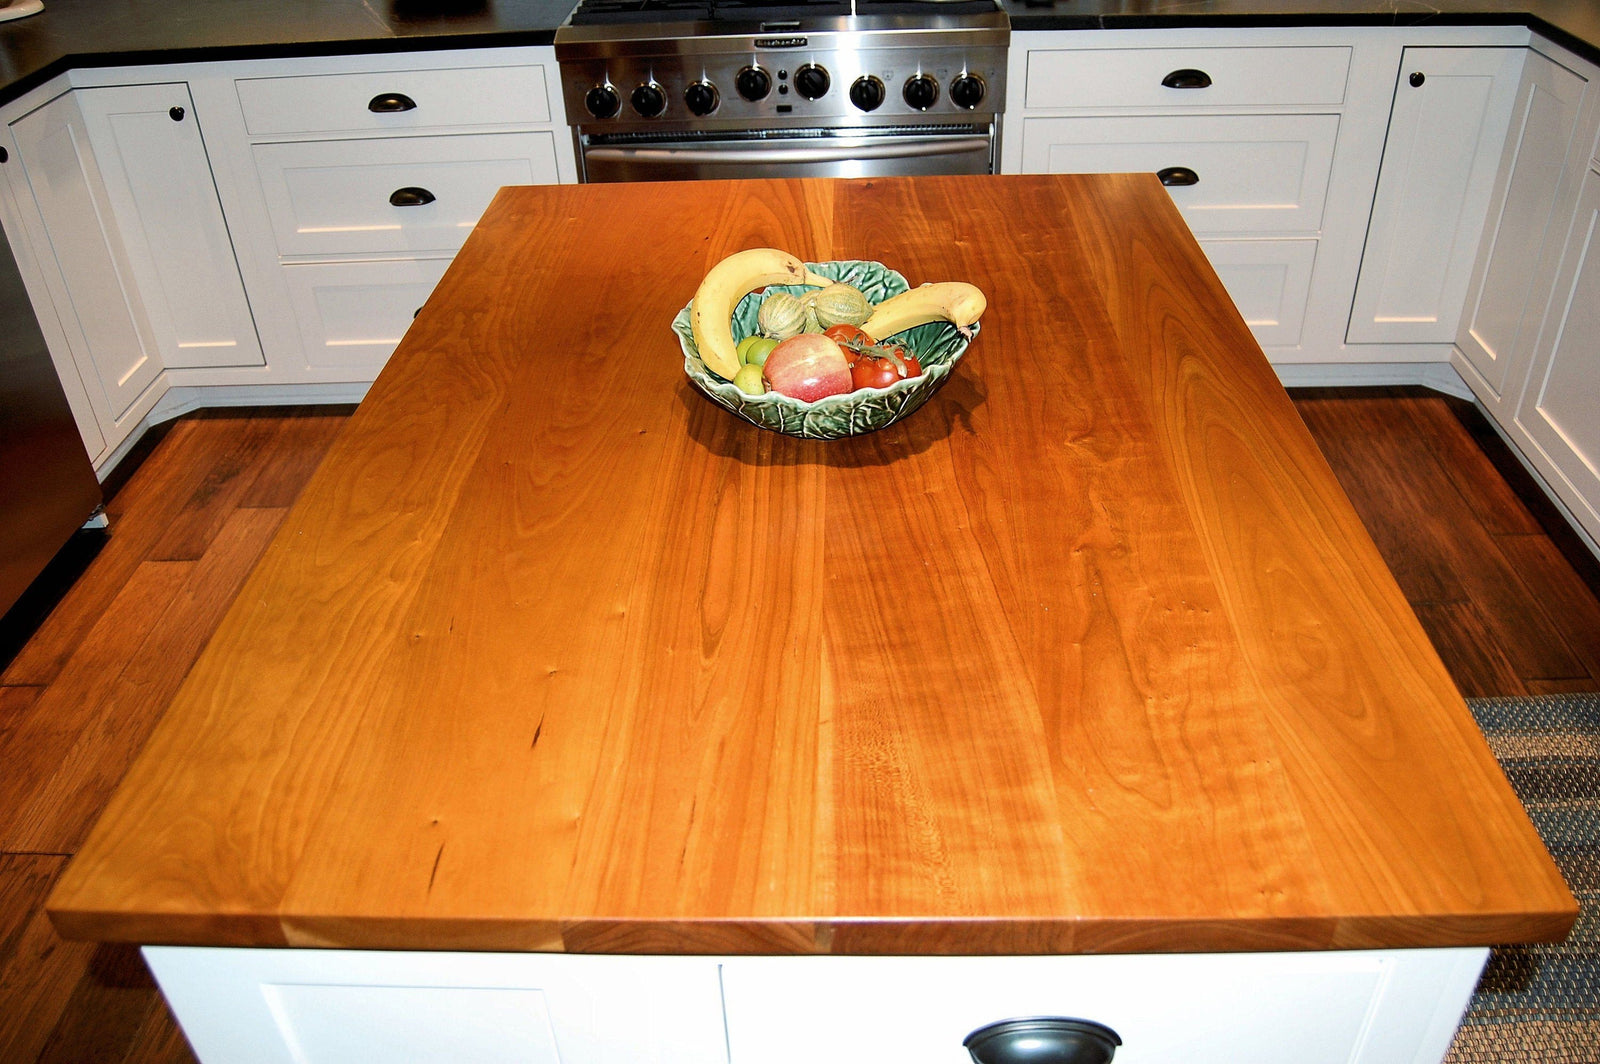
(1187, 78)
(1043, 1040)
(410, 196)
(390, 103)
(1178, 175)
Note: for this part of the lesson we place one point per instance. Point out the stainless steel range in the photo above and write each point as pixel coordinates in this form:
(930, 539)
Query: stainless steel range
(668, 89)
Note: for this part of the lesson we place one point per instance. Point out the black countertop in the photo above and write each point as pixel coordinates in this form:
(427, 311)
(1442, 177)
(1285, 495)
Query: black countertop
(83, 33)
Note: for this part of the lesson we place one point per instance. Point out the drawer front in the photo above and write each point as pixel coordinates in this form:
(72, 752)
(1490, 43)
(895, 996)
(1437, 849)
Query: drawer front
(1310, 1008)
(1255, 173)
(1230, 77)
(1269, 280)
(335, 197)
(329, 103)
(352, 315)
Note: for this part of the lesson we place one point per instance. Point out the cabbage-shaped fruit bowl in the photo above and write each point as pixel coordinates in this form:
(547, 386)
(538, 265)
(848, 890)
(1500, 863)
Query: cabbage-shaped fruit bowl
(937, 345)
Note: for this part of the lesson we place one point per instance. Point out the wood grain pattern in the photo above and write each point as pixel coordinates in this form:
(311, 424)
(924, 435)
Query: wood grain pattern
(1091, 654)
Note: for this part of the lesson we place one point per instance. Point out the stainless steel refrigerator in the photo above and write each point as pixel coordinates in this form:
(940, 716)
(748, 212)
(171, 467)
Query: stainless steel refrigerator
(47, 486)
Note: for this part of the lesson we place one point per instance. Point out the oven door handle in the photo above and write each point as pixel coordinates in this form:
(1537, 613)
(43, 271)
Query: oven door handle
(839, 153)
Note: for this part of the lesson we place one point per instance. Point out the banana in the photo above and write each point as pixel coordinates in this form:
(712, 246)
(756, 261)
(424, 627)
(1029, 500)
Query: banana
(953, 301)
(711, 313)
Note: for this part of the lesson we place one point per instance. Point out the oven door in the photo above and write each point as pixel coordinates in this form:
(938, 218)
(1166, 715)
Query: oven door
(862, 153)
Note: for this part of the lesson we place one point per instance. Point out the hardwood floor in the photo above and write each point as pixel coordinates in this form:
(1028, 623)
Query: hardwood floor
(84, 685)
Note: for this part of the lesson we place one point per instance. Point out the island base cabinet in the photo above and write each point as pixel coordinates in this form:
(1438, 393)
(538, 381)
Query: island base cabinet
(1389, 1007)
(308, 1006)
(288, 1006)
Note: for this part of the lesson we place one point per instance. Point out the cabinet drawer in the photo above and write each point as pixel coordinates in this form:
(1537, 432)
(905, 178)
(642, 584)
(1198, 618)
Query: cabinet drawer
(334, 197)
(1311, 1008)
(1269, 281)
(1256, 173)
(328, 103)
(1132, 77)
(352, 315)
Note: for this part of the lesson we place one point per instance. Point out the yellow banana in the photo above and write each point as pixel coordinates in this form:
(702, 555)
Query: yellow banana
(711, 313)
(953, 301)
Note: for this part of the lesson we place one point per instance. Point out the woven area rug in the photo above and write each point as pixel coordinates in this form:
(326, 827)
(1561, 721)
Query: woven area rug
(1541, 1004)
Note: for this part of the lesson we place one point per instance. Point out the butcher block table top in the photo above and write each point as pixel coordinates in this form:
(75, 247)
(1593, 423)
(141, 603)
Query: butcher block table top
(1090, 654)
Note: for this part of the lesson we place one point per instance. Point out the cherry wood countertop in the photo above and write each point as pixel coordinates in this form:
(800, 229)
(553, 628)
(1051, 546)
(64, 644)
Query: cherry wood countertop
(1090, 654)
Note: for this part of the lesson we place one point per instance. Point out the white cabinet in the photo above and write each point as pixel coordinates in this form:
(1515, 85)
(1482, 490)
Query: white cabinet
(1452, 107)
(85, 266)
(276, 1006)
(1534, 198)
(1558, 417)
(146, 140)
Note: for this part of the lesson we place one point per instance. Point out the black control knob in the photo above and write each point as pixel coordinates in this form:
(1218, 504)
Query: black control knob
(649, 99)
(868, 93)
(920, 92)
(602, 101)
(811, 81)
(701, 98)
(967, 91)
(753, 83)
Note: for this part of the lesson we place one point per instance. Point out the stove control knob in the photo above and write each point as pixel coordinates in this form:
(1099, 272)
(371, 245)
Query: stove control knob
(701, 98)
(602, 101)
(811, 81)
(753, 83)
(649, 99)
(920, 92)
(868, 92)
(967, 91)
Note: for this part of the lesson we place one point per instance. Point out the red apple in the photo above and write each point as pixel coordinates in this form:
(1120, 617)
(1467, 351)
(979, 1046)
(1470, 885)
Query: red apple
(807, 367)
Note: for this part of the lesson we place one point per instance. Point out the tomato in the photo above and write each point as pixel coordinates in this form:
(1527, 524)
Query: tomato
(882, 364)
(845, 335)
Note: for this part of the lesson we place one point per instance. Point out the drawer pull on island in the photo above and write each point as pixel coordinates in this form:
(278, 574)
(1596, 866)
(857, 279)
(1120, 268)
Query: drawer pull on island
(386, 103)
(1173, 176)
(411, 196)
(1043, 1040)
(1187, 78)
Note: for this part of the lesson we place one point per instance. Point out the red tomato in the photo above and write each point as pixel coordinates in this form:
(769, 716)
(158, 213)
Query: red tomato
(847, 334)
(872, 372)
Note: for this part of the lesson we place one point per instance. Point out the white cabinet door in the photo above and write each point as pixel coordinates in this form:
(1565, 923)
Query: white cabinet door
(306, 1006)
(85, 264)
(146, 140)
(1452, 107)
(1560, 410)
(1528, 218)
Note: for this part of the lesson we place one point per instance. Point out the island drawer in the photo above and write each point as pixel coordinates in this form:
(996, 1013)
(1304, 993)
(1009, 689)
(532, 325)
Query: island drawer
(395, 100)
(1185, 77)
(1269, 281)
(352, 315)
(1356, 1007)
(1245, 173)
(394, 195)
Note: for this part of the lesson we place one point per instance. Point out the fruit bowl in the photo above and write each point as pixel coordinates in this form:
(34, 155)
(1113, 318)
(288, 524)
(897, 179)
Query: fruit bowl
(937, 345)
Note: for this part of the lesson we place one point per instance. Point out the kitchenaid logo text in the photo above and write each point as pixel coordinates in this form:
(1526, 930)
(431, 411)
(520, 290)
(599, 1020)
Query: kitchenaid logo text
(780, 42)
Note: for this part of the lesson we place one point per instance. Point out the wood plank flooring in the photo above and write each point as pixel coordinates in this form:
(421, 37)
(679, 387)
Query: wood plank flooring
(1508, 610)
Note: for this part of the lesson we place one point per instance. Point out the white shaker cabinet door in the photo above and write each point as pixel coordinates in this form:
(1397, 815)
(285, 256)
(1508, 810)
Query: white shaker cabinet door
(147, 141)
(85, 264)
(1528, 217)
(1560, 410)
(1452, 107)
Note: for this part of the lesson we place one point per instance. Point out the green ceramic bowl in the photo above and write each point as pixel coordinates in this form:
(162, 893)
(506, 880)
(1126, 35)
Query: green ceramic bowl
(937, 345)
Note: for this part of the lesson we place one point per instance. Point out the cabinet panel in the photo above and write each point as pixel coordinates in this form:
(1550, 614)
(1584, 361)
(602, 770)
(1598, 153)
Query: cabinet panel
(352, 315)
(91, 284)
(158, 178)
(338, 197)
(1132, 77)
(1269, 281)
(1560, 410)
(328, 103)
(1256, 173)
(1517, 259)
(1451, 110)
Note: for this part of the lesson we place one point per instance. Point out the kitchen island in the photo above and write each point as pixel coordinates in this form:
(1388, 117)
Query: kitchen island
(1090, 656)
